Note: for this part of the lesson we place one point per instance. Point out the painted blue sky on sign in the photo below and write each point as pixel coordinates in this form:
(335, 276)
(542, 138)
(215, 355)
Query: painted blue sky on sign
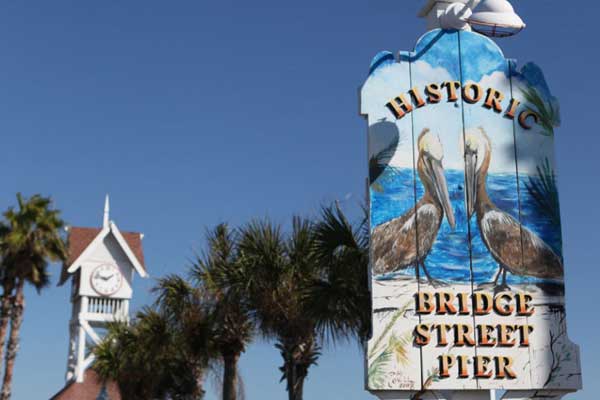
(435, 63)
(485, 57)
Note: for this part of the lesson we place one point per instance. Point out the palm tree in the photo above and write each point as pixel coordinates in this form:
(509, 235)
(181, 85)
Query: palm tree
(31, 238)
(216, 272)
(339, 299)
(306, 287)
(206, 320)
(276, 274)
(150, 359)
(8, 286)
(184, 306)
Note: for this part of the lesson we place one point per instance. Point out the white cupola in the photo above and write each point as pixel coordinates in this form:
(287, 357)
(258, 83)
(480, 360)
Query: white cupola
(101, 264)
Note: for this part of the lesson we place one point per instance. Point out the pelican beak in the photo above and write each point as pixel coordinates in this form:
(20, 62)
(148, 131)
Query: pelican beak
(471, 181)
(441, 188)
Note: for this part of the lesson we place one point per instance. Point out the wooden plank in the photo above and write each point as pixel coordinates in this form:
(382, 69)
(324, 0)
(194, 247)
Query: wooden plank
(445, 271)
(393, 363)
(492, 202)
(555, 359)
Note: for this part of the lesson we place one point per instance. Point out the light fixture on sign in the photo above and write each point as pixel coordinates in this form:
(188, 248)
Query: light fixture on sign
(496, 18)
(456, 16)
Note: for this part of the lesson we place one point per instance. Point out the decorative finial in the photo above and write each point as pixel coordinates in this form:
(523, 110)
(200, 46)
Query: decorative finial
(106, 212)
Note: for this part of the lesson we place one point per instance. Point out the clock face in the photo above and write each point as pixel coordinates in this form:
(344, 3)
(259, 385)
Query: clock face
(106, 279)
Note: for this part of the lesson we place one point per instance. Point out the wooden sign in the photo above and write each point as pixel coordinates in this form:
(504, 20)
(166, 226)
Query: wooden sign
(466, 254)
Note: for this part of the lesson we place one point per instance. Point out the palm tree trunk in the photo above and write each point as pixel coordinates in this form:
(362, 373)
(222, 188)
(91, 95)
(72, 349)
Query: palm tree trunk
(290, 377)
(295, 380)
(13, 341)
(299, 387)
(291, 371)
(199, 389)
(297, 360)
(230, 375)
(5, 308)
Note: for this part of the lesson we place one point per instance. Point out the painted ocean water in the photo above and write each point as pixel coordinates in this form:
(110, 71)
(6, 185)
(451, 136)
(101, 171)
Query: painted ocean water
(392, 196)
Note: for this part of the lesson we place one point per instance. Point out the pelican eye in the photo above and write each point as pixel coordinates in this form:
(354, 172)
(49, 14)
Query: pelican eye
(432, 147)
(471, 144)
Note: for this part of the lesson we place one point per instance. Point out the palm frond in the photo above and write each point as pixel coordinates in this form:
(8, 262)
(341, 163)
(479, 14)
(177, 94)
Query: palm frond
(379, 161)
(544, 191)
(339, 299)
(30, 239)
(549, 114)
(150, 358)
(377, 369)
(388, 327)
(334, 233)
(399, 347)
(173, 295)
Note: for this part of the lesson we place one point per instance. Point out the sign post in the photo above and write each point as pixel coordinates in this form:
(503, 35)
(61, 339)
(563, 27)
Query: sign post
(467, 273)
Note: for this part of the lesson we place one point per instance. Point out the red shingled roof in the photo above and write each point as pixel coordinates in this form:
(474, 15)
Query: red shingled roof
(89, 389)
(80, 238)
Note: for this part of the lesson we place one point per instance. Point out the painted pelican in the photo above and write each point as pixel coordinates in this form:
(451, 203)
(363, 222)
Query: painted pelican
(394, 243)
(502, 234)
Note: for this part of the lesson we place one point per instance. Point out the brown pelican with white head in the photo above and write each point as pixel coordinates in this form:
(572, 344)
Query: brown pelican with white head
(407, 240)
(515, 248)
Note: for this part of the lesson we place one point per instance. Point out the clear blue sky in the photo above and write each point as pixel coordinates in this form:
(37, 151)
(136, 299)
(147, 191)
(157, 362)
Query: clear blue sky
(190, 113)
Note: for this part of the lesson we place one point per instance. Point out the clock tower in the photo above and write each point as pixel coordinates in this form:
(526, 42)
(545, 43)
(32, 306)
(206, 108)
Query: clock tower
(101, 266)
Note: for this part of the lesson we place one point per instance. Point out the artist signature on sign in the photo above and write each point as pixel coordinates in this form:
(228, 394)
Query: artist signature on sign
(398, 381)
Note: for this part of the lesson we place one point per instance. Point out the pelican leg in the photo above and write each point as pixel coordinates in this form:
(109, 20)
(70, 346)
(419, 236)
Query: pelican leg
(432, 282)
(500, 270)
(504, 286)
(493, 283)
